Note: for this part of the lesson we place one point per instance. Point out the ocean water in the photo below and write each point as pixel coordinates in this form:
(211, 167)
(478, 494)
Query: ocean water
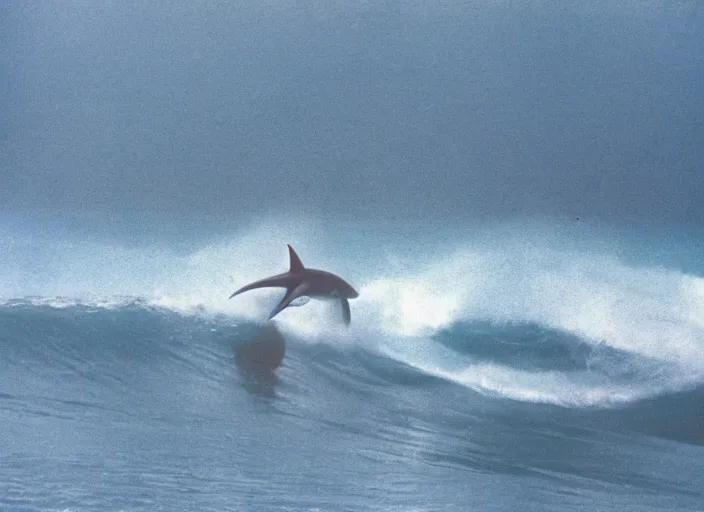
(510, 366)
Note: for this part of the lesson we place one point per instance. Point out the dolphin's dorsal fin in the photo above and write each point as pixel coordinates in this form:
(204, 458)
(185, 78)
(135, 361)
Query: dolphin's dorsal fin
(296, 265)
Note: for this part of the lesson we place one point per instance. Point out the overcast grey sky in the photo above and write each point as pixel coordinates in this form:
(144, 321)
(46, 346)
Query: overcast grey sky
(369, 108)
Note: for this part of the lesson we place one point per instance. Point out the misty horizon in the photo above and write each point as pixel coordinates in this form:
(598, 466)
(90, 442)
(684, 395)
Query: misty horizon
(464, 110)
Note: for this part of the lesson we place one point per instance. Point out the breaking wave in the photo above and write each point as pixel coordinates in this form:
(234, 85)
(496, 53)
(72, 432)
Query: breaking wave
(520, 312)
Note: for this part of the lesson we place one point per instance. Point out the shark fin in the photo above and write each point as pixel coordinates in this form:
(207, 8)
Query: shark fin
(296, 265)
(346, 315)
(291, 295)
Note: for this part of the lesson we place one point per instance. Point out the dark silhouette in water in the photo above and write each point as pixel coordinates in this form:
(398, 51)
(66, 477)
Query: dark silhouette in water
(258, 358)
(300, 281)
(264, 352)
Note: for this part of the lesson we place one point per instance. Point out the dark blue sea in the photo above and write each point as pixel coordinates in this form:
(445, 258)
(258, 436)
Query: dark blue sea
(507, 366)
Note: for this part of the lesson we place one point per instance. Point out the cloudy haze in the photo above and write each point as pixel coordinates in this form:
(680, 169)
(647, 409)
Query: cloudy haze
(363, 109)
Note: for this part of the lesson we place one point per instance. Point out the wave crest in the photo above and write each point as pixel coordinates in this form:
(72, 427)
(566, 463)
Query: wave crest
(407, 296)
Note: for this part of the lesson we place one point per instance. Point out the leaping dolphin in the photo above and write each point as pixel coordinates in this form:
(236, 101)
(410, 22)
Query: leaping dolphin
(300, 281)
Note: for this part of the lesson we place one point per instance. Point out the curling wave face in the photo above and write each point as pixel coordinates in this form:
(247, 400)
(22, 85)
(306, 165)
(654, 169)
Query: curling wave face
(638, 327)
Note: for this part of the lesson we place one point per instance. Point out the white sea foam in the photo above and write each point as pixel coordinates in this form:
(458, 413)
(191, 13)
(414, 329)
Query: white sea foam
(514, 276)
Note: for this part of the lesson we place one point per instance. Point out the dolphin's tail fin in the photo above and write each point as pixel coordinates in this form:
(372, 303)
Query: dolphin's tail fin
(296, 265)
(280, 281)
(346, 315)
